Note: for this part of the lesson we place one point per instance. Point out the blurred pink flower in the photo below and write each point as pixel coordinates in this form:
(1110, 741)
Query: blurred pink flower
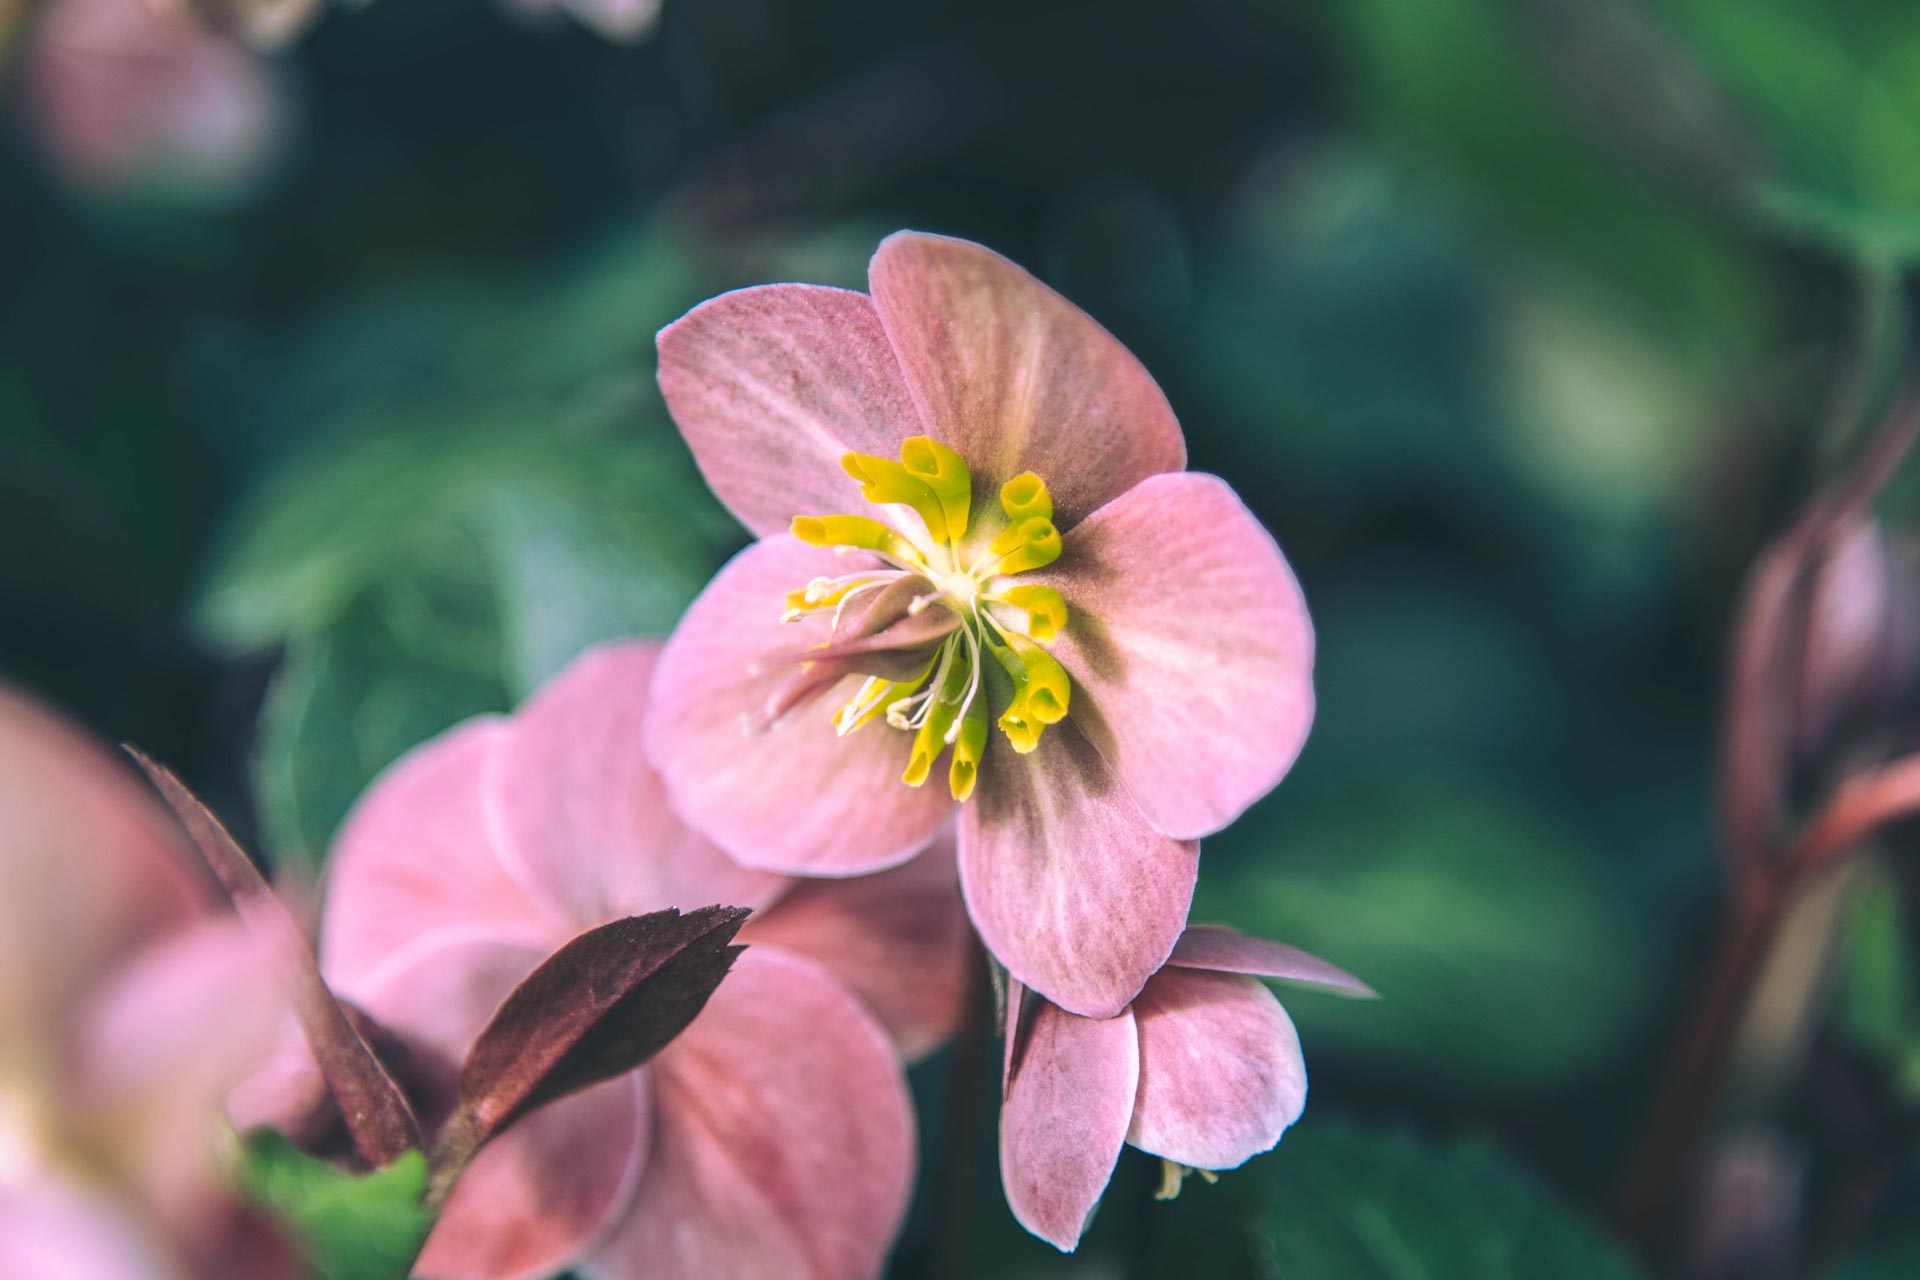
(1203, 1070)
(133, 91)
(127, 1011)
(1036, 559)
(773, 1137)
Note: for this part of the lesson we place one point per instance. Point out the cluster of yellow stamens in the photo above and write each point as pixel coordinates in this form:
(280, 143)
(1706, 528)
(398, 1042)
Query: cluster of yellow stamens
(932, 682)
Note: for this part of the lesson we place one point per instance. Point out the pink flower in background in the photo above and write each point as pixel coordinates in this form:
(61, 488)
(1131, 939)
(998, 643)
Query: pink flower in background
(773, 1137)
(127, 1010)
(1109, 653)
(124, 91)
(1203, 1070)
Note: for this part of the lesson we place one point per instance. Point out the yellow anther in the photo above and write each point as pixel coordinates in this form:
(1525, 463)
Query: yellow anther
(851, 531)
(884, 480)
(1041, 692)
(930, 739)
(1045, 609)
(1021, 730)
(945, 472)
(1031, 544)
(1025, 497)
(967, 750)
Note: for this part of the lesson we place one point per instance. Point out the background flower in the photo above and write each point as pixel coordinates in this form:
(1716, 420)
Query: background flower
(127, 1009)
(774, 1133)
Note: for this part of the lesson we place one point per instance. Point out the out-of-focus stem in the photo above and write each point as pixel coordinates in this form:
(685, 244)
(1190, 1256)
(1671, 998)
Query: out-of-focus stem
(1680, 1114)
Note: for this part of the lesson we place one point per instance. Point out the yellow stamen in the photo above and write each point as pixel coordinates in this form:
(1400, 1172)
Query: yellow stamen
(967, 750)
(1031, 544)
(1025, 497)
(858, 532)
(883, 480)
(945, 472)
(930, 739)
(1045, 609)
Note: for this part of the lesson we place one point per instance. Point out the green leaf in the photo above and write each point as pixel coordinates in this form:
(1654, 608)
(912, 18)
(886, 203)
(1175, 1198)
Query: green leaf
(350, 1227)
(422, 577)
(1503, 959)
(1355, 1204)
(415, 653)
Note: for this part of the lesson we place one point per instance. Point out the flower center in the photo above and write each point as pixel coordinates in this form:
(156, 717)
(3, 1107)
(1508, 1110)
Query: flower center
(945, 597)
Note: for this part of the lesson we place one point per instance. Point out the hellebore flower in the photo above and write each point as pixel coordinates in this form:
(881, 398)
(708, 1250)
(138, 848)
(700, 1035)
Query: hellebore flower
(128, 1008)
(1109, 653)
(772, 1137)
(1203, 1070)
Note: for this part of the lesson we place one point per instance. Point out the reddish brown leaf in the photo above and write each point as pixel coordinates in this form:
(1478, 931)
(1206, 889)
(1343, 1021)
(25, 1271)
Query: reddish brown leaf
(600, 1006)
(375, 1111)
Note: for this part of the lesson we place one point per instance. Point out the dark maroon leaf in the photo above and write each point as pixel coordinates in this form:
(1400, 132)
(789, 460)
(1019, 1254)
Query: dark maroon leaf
(600, 1006)
(376, 1113)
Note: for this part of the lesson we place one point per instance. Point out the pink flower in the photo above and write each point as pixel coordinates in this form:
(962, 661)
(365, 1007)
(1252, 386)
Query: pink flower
(1109, 653)
(132, 90)
(773, 1137)
(127, 1010)
(1203, 1070)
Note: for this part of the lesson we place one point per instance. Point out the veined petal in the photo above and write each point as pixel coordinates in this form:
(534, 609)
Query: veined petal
(416, 857)
(784, 1144)
(1224, 950)
(1016, 378)
(898, 940)
(773, 386)
(1221, 1074)
(1064, 879)
(542, 1193)
(796, 798)
(538, 1196)
(579, 811)
(1064, 1119)
(1191, 647)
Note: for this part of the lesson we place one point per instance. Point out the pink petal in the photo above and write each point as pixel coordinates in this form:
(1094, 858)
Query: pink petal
(772, 386)
(1191, 648)
(1016, 378)
(159, 1047)
(1221, 1076)
(1216, 947)
(797, 797)
(1064, 1119)
(784, 1139)
(1078, 897)
(50, 1230)
(91, 867)
(898, 940)
(579, 812)
(537, 1197)
(416, 858)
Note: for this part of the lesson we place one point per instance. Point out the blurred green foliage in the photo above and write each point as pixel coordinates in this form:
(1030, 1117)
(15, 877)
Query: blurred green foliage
(1355, 1204)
